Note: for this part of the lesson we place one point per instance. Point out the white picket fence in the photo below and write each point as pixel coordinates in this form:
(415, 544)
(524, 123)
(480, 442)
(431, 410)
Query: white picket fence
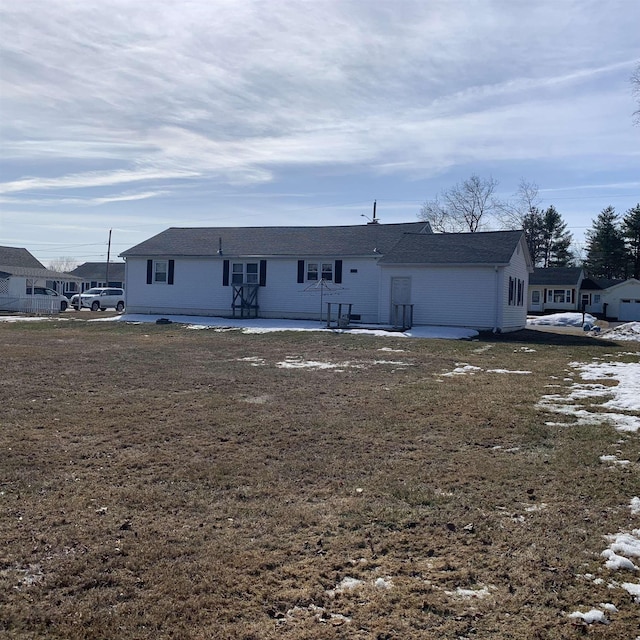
(38, 305)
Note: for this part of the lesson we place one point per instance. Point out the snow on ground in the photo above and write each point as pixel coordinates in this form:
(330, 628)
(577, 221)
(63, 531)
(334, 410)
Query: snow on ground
(264, 325)
(463, 369)
(567, 319)
(594, 615)
(623, 332)
(624, 396)
(619, 384)
(629, 331)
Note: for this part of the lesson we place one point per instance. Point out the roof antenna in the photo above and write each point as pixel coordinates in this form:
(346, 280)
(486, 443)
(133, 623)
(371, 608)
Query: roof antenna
(373, 220)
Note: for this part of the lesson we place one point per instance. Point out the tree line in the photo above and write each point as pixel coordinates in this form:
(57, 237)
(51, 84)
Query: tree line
(613, 241)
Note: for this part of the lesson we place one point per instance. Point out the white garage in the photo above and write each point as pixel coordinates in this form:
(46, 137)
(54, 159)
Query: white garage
(622, 301)
(629, 310)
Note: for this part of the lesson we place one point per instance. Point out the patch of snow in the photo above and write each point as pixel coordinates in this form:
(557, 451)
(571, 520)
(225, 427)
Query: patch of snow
(507, 371)
(594, 615)
(614, 460)
(633, 589)
(608, 606)
(624, 332)
(536, 507)
(635, 506)
(624, 396)
(615, 562)
(463, 369)
(267, 325)
(568, 319)
(256, 361)
(627, 544)
(291, 363)
(346, 584)
(481, 592)
(381, 583)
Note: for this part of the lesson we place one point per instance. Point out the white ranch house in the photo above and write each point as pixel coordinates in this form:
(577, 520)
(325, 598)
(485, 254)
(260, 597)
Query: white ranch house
(557, 289)
(21, 275)
(387, 273)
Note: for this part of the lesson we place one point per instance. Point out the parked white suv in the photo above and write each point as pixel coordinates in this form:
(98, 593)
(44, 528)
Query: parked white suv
(52, 295)
(99, 299)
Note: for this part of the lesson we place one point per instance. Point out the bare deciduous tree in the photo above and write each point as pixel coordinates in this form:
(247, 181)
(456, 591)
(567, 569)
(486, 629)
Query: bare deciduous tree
(63, 265)
(513, 213)
(467, 206)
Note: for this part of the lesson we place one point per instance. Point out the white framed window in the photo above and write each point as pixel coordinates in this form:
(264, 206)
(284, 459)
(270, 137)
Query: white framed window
(244, 273)
(319, 270)
(535, 297)
(312, 271)
(596, 298)
(559, 296)
(160, 271)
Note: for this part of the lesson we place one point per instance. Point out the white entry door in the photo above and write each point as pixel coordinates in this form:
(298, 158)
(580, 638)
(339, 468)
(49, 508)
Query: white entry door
(400, 293)
(535, 300)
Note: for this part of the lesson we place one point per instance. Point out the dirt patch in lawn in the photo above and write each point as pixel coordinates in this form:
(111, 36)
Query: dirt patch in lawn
(159, 482)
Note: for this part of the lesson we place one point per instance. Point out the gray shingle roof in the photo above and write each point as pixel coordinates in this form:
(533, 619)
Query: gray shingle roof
(98, 270)
(599, 284)
(354, 240)
(556, 276)
(33, 272)
(491, 247)
(18, 257)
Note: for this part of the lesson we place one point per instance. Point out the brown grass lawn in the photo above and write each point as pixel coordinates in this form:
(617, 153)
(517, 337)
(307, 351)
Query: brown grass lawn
(160, 482)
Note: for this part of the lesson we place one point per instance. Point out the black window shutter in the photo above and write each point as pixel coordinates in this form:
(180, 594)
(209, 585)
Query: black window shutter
(337, 275)
(171, 270)
(225, 273)
(300, 271)
(149, 271)
(263, 273)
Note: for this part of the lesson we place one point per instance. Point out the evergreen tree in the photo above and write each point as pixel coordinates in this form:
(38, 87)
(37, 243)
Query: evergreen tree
(606, 252)
(631, 232)
(555, 239)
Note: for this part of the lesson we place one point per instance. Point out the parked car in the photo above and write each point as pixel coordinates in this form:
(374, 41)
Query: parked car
(51, 294)
(99, 299)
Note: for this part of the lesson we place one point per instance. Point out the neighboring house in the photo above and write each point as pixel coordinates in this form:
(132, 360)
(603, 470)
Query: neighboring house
(474, 280)
(20, 274)
(621, 301)
(559, 289)
(555, 289)
(94, 274)
(593, 293)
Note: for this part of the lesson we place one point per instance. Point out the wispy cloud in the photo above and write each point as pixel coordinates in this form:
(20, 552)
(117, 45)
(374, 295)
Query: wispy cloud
(235, 98)
(91, 179)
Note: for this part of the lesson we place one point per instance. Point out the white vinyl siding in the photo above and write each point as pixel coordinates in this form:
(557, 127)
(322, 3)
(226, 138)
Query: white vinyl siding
(452, 296)
(200, 290)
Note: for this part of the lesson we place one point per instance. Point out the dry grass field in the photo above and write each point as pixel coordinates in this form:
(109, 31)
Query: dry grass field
(160, 482)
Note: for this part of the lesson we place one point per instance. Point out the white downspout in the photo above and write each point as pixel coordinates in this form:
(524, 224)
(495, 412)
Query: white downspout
(497, 298)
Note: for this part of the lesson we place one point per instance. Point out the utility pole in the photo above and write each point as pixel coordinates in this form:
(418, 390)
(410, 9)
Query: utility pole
(108, 258)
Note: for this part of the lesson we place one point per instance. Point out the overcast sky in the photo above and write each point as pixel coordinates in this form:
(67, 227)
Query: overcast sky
(137, 116)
